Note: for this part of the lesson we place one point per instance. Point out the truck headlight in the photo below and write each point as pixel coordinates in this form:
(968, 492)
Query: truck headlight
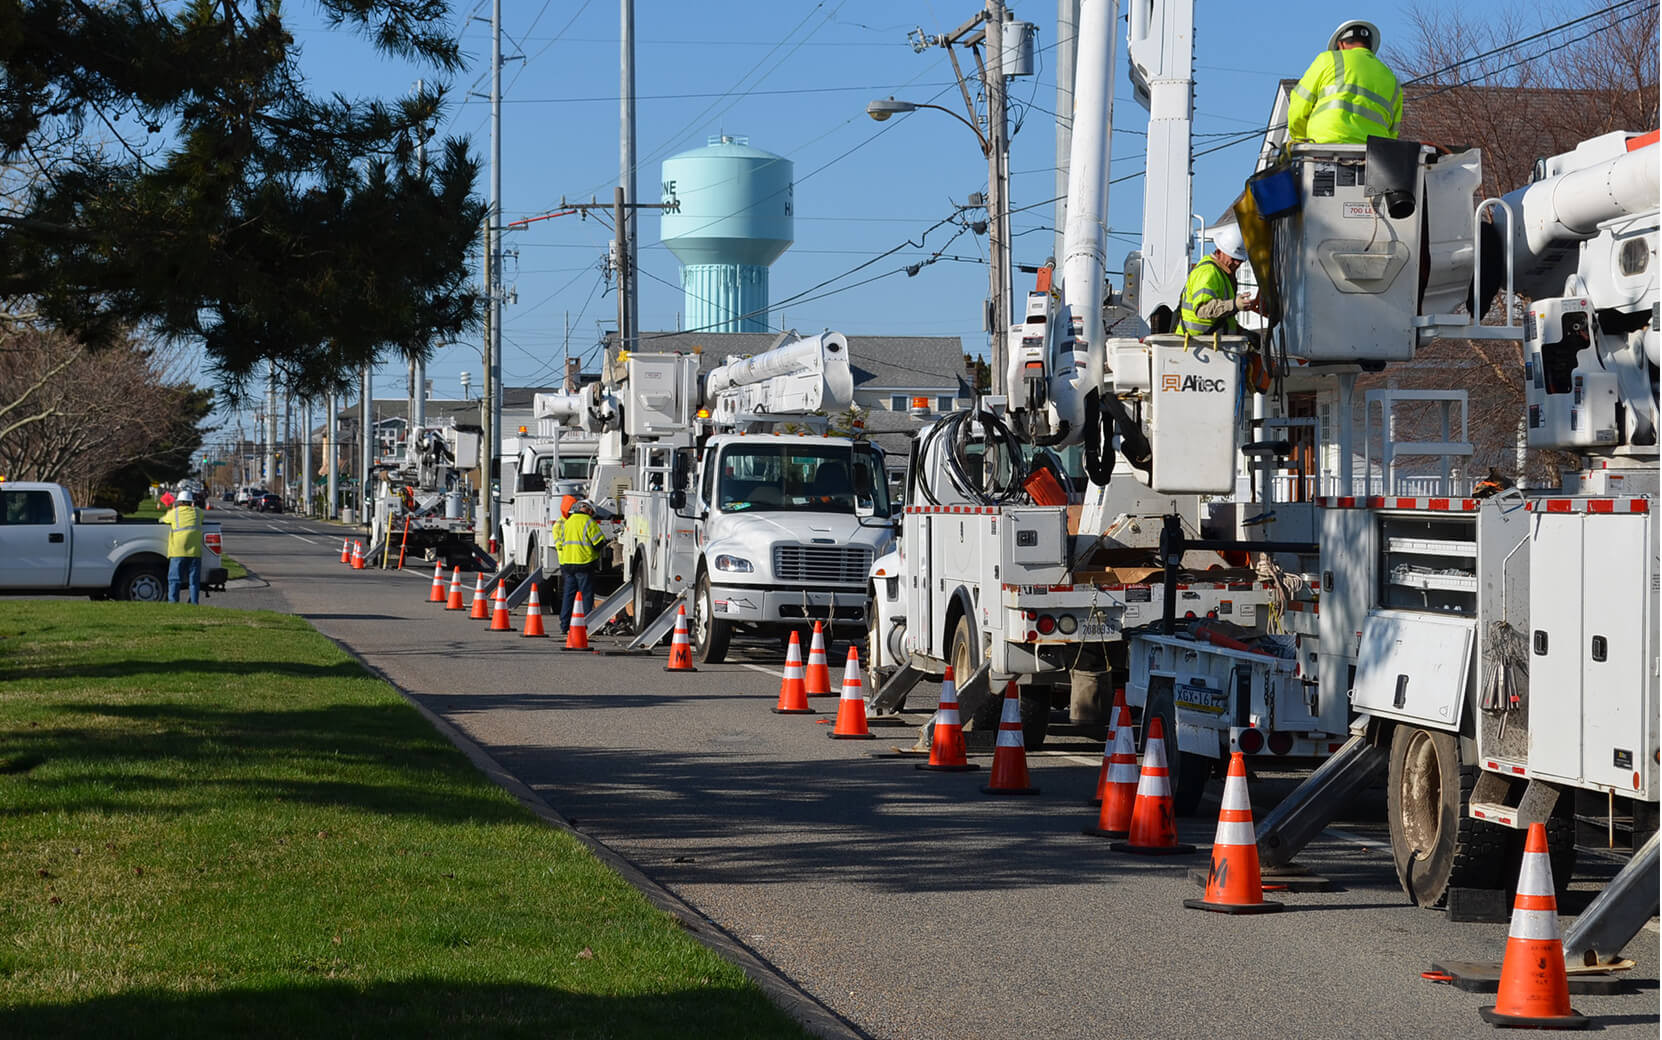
(733, 564)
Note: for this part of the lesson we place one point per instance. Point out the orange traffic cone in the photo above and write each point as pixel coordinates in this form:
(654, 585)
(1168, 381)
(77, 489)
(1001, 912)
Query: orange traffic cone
(346, 551)
(946, 736)
(454, 601)
(1234, 886)
(1119, 797)
(577, 633)
(793, 697)
(1534, 989)
(437, 595)
(816, 681)
(357, 556)
(1108, 745)
(533, 615)
(1153, 817)
(680, 646)
(851, 709)
(481, 610)
(1009, 774)
(500, 621)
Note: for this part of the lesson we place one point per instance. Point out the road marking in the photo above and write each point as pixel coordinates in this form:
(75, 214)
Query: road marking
(1082, 760)
(1357, 839)
(765, 670)
(302, 537)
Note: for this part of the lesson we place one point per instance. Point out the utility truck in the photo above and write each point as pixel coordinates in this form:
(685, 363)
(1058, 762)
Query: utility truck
(48, 547)
(1497, 655)
(726, 493)
(998, 570)
(423, 505)
(1503, 651)
(538, 473)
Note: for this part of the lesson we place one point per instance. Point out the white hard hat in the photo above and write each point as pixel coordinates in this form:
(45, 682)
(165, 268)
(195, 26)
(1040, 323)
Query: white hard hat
(1226, 239)
(187, 495)
(1355, 27)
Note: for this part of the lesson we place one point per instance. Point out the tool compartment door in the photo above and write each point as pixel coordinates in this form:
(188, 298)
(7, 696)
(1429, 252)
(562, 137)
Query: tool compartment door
(1593, 684)
(1414, 667)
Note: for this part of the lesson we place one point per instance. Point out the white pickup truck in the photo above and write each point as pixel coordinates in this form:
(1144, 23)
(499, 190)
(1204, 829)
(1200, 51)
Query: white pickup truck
(49, 547)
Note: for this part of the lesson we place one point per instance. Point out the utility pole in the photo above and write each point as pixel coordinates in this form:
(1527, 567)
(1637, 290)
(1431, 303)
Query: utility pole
(366, 423)
(306, 459)
(629, 317)
(418, 364)
(487, 515)
(493, 374)
(621, 212)
(987, 27)
(331, 451)
(998, 202)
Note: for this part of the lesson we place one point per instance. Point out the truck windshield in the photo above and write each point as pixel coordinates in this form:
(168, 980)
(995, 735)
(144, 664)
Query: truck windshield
(576, 467)
(802, 478)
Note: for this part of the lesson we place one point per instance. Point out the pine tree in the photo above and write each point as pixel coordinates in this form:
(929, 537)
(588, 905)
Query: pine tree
(182, 180)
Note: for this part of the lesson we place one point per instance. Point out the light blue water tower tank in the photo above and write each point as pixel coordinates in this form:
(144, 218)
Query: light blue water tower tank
(735, 219)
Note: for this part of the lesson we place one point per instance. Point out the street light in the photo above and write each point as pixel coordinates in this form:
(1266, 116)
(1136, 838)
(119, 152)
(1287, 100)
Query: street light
(883, 108)
(995, 147)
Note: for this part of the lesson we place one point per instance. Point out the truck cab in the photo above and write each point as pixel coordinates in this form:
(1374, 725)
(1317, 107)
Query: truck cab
(771, 531)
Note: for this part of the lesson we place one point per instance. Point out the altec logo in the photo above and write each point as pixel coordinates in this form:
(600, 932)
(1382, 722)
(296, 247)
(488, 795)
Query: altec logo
(1173, 383)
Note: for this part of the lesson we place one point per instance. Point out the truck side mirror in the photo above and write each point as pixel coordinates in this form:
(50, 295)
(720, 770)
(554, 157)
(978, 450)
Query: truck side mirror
(678, 500)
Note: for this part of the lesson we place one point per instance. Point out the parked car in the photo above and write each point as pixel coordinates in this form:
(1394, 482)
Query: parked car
(268, 503)
(229, 496)
(245, 496)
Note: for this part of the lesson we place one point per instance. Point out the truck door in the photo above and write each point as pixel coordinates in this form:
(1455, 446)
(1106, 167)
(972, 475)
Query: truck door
(915, 543)
(34, 540)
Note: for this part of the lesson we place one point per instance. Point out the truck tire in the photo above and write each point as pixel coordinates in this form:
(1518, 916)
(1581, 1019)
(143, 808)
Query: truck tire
(1035, 716)
(141, 583)
(1435, 844)
(710, 634)
(641, 599)
(1188, 771)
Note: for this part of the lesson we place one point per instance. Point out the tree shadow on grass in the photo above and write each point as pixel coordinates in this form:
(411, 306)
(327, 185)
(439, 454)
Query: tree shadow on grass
(418, 1007)
(184, 758)
(173, 668)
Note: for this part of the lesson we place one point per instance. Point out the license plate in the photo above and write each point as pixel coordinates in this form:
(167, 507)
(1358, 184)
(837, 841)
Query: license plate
(1099, 627)
(1201, 698)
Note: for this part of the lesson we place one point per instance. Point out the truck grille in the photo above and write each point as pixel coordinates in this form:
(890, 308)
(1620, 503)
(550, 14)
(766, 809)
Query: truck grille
(822, 564)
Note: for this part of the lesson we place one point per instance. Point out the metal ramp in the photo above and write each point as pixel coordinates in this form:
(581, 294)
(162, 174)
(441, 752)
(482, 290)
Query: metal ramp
(609, 608)
(660, 626)
(1612, 920)
(522, 591)
(1287, 828)
(887, 699)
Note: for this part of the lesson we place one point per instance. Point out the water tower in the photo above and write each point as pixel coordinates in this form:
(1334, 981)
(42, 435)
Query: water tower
(735, 219)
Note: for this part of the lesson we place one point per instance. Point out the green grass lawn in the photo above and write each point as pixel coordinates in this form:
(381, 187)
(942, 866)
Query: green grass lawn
(216, 823)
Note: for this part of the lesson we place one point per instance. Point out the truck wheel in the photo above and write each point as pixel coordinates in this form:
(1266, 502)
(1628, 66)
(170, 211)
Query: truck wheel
(1035, 717)
(1435, 844)
(641, 599)
(710, 634)
(876, 676)
(1188, 771)
(141, 583)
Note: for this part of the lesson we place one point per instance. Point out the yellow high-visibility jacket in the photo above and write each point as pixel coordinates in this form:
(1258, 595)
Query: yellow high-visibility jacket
(184, 536)
(580, 539)
(1344, 97)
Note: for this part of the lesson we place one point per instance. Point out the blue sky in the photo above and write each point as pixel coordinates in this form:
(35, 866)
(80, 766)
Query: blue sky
(794, 77)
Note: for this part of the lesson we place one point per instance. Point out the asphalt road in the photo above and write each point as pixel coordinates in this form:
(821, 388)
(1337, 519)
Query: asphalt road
(908, 903)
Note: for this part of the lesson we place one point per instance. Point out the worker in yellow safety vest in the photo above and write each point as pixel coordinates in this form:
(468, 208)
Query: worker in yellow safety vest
(184, 547)
(580, 542)
(1347, 95)
(1210, 301)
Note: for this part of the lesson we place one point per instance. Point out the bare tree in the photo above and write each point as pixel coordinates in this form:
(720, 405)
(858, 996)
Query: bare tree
(75, 417)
